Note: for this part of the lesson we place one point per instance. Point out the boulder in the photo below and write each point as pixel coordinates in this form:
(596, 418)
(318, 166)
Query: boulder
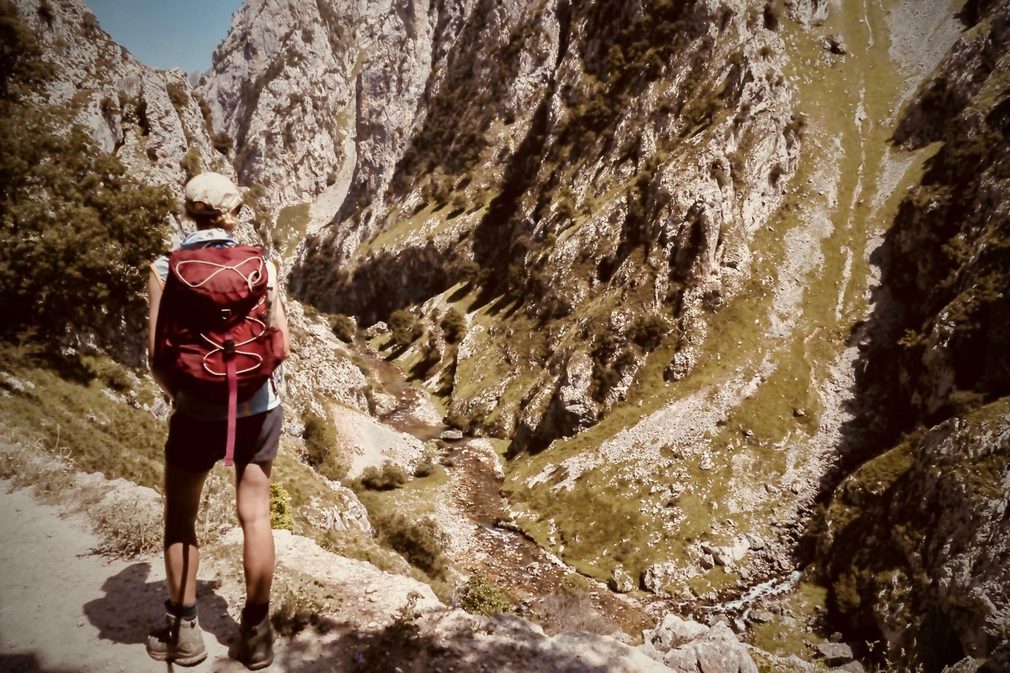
(674, 632)
(835, 654)
(656, 578)
(836, 45)
(621, 581)
(689, 647)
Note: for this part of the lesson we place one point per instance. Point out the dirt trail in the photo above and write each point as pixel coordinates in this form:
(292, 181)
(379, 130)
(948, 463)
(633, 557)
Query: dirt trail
(64, 609)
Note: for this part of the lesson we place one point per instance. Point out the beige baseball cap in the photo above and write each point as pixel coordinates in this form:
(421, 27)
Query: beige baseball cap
(211, 194)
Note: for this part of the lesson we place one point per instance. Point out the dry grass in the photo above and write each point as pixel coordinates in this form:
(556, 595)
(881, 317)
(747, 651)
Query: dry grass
(127, 523)
(568, 610)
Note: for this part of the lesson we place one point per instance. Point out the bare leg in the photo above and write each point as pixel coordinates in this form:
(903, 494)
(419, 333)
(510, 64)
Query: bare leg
(182, 553)
(253, 500)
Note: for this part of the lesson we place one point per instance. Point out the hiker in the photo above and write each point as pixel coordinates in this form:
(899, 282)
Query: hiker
(200, 432)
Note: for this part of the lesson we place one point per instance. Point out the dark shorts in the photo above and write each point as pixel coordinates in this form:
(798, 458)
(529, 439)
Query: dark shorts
(195, 445)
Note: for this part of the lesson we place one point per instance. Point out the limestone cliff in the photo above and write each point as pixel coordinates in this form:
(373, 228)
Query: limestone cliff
(148, 118)
(661, 224)
(916, 538)
(561, 175)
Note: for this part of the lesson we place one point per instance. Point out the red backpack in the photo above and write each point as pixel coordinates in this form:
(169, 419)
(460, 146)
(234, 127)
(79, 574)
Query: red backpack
(212, 338)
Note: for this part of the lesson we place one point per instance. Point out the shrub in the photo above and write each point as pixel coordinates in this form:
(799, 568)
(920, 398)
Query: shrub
(343, 327)
(223, 143)
(111, 373)
(481, 596)
(468, 271)
(78, 231)
(386, 478)
(300, 601)
(425, 468)
(281, 514)
(405, 328)
(126, 530)
(454, 325)
(140, 111)
(421, 542)
(322, 447)
(191, 163)
(459, 420)
(178, 95)
(572, 610)
(648, 331)
(208, 117)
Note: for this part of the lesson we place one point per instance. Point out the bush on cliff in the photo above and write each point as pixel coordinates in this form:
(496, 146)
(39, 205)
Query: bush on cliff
(76, 231)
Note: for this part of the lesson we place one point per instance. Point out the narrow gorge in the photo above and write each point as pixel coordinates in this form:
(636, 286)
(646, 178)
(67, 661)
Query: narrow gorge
(649, 336)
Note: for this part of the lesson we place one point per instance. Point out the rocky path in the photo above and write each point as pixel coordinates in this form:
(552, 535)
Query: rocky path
(64, 609)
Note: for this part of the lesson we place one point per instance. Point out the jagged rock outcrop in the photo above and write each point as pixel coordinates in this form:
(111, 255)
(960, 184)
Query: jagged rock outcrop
(917, 542)
(687, 646)
(648, 183)
(915, 546)
(150, 119)
(946, 266)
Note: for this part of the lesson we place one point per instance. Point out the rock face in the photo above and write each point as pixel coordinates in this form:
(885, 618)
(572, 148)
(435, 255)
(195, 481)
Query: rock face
(946, 248)
(150, 119)
(926, 532)
(916, 535)
(653, 180)
(688, 647)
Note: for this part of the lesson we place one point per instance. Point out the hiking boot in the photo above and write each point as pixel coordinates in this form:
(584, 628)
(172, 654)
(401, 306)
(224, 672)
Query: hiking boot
(256, 644)
(180, 641)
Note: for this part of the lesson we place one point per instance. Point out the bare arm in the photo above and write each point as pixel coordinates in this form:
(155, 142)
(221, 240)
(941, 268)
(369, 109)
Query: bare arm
(278, 319)
(155, 287)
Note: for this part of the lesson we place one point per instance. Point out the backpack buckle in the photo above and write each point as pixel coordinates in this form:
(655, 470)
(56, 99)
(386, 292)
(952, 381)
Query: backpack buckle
(229, 348)
(225, 314)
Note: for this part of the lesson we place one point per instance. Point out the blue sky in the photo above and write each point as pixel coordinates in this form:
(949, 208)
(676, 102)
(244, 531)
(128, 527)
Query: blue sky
(167, 33)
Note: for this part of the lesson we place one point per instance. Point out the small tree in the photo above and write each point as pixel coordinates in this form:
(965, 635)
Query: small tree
(343, 327)
(322, 447)
(405, 328)
(223, 142)
(454, 325)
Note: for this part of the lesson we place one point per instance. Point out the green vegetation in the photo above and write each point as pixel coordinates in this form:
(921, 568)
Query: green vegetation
(343, 327)
(281, 516)
(60, 402)
(570, 608)
(299, 601)
(390, 476)
(454, 325)
(223, 142)
(22, 67)
(322, 447)
(482, 596)
(178, 94)
(191, 163)
(785, 635)
(77, 231)
(420, 541)
(405, 328)
(292, 223)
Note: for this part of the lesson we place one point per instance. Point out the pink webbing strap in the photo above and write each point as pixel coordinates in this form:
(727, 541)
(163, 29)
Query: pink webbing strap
(229, 450)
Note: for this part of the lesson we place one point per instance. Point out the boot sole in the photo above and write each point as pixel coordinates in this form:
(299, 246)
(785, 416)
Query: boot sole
(259, 664)
(191, 660)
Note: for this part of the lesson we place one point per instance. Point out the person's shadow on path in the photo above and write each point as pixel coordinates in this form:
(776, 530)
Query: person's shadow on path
(132, 607)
